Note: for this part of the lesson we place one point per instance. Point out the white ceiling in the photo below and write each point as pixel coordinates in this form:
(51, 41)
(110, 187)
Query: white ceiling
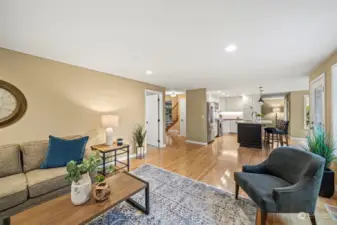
(181, 41)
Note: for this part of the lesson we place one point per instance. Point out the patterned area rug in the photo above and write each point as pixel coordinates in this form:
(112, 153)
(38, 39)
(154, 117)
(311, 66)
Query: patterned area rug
(175, 199)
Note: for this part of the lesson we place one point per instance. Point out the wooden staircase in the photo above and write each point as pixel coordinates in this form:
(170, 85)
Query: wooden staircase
(175, 116)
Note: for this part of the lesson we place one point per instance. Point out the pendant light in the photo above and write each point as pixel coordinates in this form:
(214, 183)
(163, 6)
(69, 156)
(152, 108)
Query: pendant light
(261, 102)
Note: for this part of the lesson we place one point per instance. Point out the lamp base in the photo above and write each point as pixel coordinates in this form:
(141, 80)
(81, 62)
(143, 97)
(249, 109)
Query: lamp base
(108, 137)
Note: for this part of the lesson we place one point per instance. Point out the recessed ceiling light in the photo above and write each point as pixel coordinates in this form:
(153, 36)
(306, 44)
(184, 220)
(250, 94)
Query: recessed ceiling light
(230, 48)
(148, 72)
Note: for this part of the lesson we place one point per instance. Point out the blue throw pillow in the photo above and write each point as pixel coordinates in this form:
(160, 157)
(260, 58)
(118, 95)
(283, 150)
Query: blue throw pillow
(61, 151)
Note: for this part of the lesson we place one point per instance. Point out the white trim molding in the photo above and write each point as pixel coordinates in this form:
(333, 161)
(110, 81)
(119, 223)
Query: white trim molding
(172, 131)
(196, 142)
(297, 138)
(161, 114)
(334, 99)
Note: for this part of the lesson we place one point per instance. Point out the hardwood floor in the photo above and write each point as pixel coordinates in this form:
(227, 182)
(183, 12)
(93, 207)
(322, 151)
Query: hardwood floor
(216, 163)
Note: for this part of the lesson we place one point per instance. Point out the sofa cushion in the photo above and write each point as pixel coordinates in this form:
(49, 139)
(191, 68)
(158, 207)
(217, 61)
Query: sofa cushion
(42, 181)
(34, 153)
(13, 191)
(259, 188)
(61, 151)
(10, 160)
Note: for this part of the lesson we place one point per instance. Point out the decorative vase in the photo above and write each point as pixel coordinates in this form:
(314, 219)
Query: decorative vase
(327, 189)
(81, 190)
(140, 152)
(101, 191)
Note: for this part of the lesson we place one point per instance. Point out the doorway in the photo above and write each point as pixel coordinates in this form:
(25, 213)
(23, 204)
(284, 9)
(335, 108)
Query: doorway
(334, 99)
(154, 118)
(317, 100)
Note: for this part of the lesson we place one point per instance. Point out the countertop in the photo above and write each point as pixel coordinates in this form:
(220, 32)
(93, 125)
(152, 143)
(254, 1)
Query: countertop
(229, 119)
(263, 122)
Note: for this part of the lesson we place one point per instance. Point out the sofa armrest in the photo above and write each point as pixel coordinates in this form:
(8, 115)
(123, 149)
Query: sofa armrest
(300, 197)
(260, 168)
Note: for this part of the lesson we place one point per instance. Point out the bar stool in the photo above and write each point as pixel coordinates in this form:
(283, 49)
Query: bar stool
(279, 132)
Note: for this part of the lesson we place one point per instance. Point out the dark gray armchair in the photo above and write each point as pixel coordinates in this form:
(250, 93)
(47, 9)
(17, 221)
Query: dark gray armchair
(287, 182)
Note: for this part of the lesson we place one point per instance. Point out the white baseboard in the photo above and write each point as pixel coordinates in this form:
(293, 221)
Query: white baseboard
(297, 138)
(163, 146)
(196, 142)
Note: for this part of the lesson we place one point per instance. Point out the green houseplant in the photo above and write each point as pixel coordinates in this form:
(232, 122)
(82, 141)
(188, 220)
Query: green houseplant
(322, 144)
(139, 135)
(78, 175)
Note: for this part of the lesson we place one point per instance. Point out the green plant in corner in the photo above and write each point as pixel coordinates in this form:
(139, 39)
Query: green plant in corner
(319, 143)
(139, 135)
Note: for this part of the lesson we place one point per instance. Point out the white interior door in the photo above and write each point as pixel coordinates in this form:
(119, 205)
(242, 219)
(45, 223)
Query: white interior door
(317, 98)
(152, 116)
(182, 115)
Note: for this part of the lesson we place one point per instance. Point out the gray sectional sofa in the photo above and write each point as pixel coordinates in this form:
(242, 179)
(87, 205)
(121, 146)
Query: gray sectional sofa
(22, 182)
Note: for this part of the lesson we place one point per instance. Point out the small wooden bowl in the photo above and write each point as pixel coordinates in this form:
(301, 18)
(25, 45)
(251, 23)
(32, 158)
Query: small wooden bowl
(101, 191)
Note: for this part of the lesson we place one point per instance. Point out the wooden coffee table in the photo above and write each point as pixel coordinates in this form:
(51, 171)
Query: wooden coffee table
(61, 210)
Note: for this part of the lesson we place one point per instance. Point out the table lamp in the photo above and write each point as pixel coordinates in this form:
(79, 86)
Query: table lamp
(109, 122)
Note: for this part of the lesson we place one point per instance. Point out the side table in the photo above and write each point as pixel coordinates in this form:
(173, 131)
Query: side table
(115, 151)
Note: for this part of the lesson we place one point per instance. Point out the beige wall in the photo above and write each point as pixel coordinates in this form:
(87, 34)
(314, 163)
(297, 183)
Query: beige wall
(267, 110)
(65, 99)
(325, 67)
(296, 125)
(196, 116)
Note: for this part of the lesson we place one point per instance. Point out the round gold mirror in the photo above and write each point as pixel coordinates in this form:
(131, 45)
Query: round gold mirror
(13, 104)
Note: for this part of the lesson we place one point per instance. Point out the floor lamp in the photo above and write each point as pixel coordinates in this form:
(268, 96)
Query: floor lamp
(276, 110)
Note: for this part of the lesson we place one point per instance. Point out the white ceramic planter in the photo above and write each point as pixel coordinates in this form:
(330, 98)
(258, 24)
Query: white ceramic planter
(140, 152)
(81, 191)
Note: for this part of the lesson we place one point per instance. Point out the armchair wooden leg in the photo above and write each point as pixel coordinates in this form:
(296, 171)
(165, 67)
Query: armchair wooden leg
(263, 217)
(236, 191)
(312, 218)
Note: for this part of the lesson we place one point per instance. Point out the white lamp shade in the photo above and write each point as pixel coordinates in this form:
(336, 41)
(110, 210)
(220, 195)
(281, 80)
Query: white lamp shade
(109, 121)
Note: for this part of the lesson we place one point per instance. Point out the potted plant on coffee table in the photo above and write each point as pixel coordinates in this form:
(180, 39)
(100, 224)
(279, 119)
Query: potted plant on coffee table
(78, 175)
(323, 145)
(139, 137)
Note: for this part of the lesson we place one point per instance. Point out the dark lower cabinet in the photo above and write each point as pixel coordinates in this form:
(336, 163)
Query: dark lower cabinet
(249, 135)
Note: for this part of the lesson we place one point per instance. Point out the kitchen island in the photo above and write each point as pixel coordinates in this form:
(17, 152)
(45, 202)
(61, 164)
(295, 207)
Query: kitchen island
(250, 133)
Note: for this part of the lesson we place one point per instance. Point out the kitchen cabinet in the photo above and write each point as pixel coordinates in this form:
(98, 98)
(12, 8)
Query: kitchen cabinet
(233, 127)
(226, 126)
(248, 102)
(223, 104)
(231, 104)
(229, 126)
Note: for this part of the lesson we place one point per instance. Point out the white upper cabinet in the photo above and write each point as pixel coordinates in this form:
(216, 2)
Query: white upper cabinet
(231, 104)
(223, 105)
(250, 104)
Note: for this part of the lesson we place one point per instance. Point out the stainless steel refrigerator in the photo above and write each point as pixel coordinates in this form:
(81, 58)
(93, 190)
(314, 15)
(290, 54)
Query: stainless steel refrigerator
(211, 122)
